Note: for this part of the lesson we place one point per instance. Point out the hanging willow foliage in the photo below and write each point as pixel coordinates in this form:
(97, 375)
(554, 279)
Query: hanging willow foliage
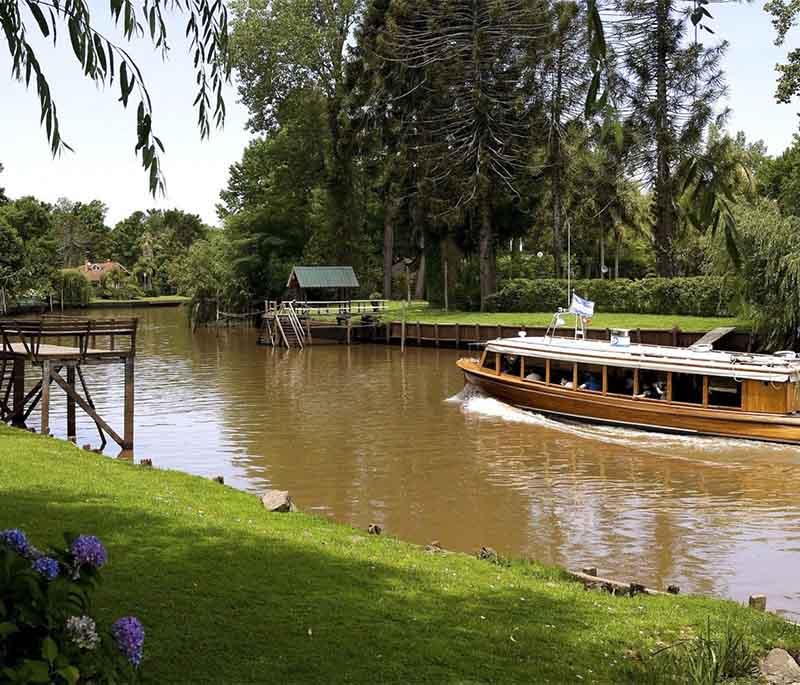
(103, 61)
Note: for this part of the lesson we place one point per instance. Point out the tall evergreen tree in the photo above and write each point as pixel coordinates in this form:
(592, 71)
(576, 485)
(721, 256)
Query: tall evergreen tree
(673, 85)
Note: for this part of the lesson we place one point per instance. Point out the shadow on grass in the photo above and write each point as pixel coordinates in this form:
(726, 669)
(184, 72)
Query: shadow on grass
(294, 600)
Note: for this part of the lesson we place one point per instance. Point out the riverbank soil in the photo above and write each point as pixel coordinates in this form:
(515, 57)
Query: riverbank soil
(229, 593)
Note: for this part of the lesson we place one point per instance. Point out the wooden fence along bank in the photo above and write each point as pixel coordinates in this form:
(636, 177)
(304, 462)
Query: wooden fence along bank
(463, 335)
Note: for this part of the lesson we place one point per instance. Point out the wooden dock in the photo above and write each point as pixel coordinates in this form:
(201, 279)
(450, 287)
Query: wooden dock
(39, 344)
(297, 323)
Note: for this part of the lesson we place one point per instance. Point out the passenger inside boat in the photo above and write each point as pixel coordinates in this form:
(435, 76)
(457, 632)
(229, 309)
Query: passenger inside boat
(590, 382)
(566, 384)
(510, 364)
(652, 390)
(534, 376)
(620, 380)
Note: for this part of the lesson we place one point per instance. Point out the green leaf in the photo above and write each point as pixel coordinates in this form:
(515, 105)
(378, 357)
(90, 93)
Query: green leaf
(39, 16)
(70, 674)
(7, 629)
(37, 671)
(49, 649)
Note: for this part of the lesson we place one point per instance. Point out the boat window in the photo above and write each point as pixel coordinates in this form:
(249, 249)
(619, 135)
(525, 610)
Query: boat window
(510, 364)
(620, 380)
(489, 361)
(724, 392)
(561, 373)
(652, 385)
(590, 377)
(687, 387)
(535, 369)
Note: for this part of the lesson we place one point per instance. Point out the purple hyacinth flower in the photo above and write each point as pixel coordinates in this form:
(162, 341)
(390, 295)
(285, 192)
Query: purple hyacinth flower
(129, 635)
(87, 549)
(47, 567)
(15, 539)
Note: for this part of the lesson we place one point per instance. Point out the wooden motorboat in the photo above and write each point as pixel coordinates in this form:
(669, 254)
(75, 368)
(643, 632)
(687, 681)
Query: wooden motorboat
(696, 390)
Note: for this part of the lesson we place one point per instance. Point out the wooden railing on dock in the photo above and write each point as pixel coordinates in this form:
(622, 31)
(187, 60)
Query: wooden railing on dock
(56, 344)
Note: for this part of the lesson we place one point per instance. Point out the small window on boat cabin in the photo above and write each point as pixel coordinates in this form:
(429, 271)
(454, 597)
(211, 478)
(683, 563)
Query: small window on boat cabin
(620, 380)
(534, 369)
(510, 364)
(490, 360)
(687, 387)
(652, 385)
(590, 377)
(562, 373)
(724, 392)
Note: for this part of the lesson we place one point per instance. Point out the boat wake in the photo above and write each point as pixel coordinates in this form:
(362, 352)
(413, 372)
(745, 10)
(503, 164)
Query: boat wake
(475, 402)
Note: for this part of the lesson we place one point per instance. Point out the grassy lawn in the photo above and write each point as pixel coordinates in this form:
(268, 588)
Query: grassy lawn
(229, 593)
(423, 312)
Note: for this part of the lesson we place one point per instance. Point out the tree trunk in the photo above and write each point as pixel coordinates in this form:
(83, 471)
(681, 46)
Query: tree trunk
(389, 212)
(602, 253)
(617, 249)
(664, 227)
(556, 163)
(488, 261)
(419, 290)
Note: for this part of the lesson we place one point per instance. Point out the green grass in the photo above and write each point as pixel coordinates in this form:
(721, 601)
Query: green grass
(423, 312)
(232, 594)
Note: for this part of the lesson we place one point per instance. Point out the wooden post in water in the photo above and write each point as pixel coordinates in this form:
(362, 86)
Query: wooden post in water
(458, 335)
(71, 432)
(436, 333)
(419, 333)
(45, 401)
(19, 392)
(127, 433)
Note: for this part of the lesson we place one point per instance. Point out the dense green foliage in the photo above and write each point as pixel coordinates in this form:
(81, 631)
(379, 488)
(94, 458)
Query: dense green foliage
(691, 296)
(228, 592)
(42, 245)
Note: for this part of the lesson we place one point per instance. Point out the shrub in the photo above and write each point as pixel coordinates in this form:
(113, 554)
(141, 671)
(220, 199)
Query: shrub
(118, 285)
(72, 286)
(689, 296)
(47, 633)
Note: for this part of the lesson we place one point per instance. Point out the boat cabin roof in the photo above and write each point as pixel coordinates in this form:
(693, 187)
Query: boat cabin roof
(738, 365)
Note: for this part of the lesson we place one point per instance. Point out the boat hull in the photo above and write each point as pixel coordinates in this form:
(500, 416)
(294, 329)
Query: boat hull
(639, 413)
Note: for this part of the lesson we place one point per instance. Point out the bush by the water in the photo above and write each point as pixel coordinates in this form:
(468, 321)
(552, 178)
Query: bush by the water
(690, 296)
(47, 633)
(72, 288)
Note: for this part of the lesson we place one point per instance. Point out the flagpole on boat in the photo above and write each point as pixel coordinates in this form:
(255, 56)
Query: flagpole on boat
(569, 262)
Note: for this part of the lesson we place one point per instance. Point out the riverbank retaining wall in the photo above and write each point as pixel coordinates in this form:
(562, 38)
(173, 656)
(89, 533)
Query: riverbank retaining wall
(463, 335)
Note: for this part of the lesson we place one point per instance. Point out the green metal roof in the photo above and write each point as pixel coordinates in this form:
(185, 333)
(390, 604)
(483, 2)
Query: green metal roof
(322, 277)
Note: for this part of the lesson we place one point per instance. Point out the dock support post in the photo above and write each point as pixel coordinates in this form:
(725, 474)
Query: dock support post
(458, 335)
(127, 434)
(71, 431)
(436, 333)
(419, 333)
(348, 330)
(45, 427)
(19, 393)
(477, 332)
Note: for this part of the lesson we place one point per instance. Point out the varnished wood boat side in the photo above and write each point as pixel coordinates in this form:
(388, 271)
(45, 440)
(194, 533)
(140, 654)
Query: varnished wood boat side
(631, 411)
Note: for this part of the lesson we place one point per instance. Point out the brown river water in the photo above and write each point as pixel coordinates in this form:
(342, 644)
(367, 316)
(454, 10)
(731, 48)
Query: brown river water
(365, 434)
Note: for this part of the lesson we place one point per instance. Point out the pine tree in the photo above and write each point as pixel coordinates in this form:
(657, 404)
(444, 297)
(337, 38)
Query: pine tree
(672, 88)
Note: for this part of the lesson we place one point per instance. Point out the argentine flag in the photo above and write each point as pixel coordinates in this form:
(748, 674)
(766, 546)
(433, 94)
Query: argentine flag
(581, 307)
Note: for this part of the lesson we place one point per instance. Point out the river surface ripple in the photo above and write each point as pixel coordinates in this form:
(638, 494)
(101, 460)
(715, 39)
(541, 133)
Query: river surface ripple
(365, 434)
